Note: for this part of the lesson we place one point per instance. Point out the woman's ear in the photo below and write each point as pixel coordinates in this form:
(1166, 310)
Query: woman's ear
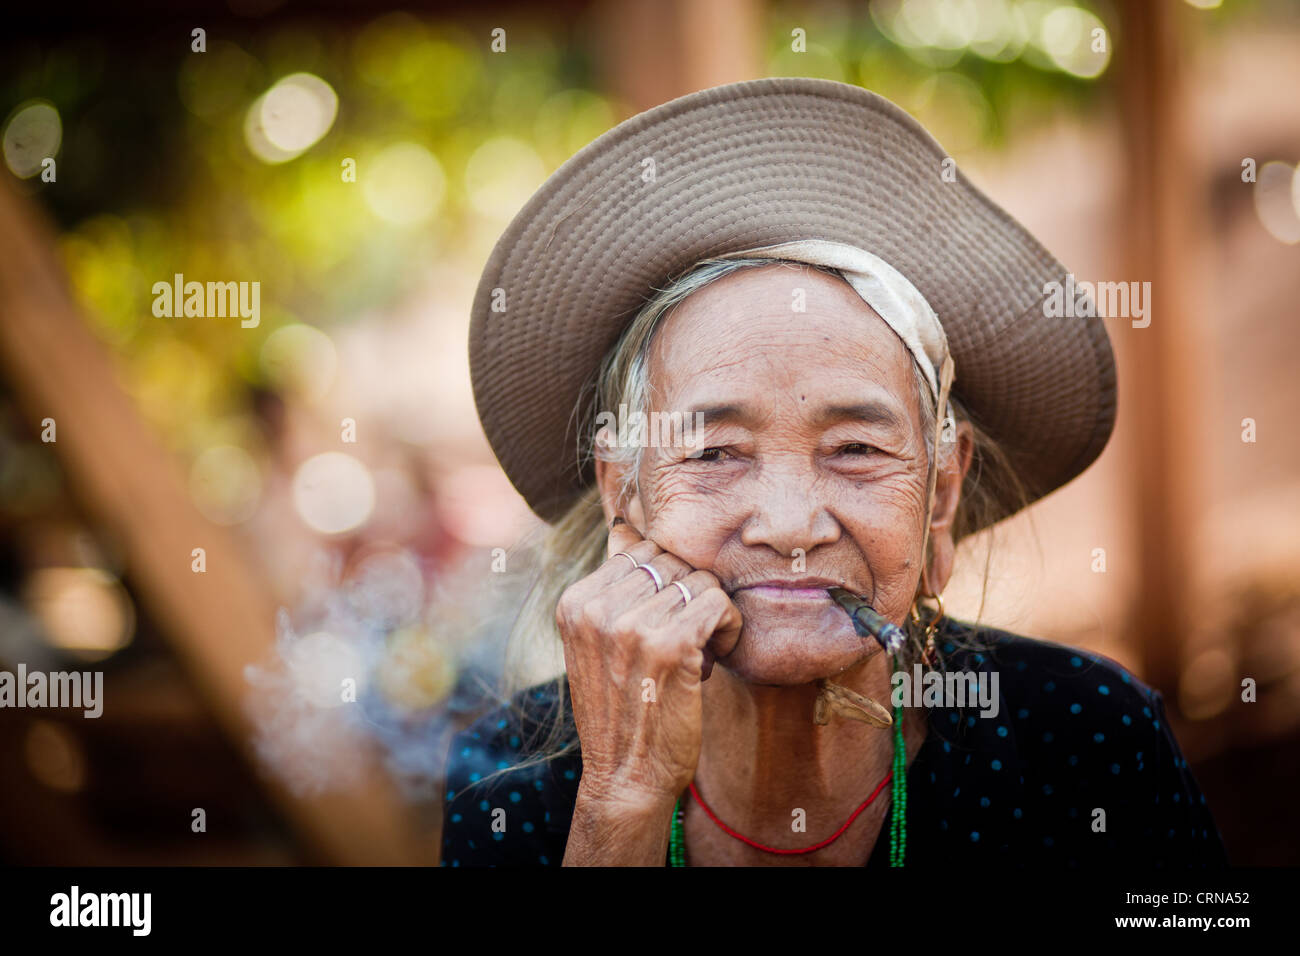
(610, 481)
(954, 462)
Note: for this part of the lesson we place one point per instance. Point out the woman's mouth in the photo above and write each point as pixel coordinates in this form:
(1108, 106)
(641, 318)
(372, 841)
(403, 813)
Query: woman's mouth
(782, 593)
(812, 590)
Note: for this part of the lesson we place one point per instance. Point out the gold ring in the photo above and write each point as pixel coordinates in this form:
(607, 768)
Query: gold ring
(686, 593)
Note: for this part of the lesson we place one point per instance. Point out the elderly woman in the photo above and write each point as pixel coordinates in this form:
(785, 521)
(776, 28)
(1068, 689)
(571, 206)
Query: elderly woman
(761, 357)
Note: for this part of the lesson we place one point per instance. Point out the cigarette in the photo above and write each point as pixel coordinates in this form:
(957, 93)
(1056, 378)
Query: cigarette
(867, 621)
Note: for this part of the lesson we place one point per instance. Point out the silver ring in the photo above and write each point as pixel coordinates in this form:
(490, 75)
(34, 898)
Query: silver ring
(686, 593)
(659, 582)
(635, 563)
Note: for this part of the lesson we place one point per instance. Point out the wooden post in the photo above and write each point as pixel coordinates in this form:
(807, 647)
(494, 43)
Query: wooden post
(1158, 393)
(652, 51)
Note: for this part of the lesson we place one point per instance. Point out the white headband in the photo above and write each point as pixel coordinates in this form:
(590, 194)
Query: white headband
(883, 288)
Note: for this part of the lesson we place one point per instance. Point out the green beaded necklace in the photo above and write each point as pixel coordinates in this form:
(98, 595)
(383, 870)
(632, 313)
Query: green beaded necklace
(897, 809)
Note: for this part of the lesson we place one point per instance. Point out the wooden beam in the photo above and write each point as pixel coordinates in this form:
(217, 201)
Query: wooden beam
(125, 482)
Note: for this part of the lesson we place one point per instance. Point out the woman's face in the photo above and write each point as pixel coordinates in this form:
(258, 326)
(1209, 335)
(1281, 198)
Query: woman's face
(813, 468)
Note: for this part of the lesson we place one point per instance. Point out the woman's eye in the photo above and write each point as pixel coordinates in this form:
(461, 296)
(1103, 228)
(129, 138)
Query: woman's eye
(857, 448)
(710, 454)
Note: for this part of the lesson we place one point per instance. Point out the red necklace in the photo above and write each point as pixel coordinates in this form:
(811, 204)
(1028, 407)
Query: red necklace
(808, 849)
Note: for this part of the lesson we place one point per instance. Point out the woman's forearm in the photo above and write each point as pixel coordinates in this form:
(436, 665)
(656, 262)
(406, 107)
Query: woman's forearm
(616, 831)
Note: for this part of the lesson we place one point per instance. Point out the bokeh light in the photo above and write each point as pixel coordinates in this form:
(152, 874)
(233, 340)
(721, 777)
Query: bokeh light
(333, 493)
(226, 484)
(947, 24)
(1275, 201)
(300, 360)
(403, 184)
(501, 175)
(1000, 33)
(954, 108)
(1052, 36)
(290, 117)
(1209, 684)
(55, 757)
(1076, 41)
(84, 612)
(415, 671)
(33, 134)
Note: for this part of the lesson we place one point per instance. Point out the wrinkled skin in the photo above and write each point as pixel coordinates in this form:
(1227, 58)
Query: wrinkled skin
(815, 450)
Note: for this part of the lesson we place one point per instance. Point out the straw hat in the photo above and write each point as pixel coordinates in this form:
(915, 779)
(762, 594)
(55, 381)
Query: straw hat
(761, 163)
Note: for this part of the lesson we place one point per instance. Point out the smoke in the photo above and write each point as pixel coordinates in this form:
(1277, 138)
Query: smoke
(382, 659)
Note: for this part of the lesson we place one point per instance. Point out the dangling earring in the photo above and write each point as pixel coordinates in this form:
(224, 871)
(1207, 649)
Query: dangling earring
(930, 655)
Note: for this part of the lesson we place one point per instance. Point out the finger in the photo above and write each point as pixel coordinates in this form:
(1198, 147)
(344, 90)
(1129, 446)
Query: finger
(650, 595)
(714, 619)
(622, 537)
(655, 607)
(617, 568)
(726, 634)
(672, 600)
(695, 582)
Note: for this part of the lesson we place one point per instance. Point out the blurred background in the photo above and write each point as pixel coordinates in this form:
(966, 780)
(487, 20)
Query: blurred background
(228, 520)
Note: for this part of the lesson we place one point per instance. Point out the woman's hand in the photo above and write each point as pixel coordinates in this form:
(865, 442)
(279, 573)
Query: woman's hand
(636, 659)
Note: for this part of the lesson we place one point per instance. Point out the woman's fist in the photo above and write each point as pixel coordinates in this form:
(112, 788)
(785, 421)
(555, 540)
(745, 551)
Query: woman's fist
(636, 655)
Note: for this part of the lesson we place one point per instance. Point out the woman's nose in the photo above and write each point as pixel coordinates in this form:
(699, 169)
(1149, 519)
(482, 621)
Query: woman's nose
(788, 514)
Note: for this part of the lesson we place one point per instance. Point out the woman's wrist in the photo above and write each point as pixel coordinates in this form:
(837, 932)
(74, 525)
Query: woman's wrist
(618, 828)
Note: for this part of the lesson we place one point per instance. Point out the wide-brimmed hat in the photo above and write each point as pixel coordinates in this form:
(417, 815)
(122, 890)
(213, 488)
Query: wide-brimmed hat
(761, 163)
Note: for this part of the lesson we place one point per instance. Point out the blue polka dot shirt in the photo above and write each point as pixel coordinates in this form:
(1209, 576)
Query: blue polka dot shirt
(1078, 768)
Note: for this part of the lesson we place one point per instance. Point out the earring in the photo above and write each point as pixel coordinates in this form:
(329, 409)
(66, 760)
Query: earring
(930, 655)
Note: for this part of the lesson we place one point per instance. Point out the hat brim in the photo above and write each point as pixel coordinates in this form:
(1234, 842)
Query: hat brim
(753, 164)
